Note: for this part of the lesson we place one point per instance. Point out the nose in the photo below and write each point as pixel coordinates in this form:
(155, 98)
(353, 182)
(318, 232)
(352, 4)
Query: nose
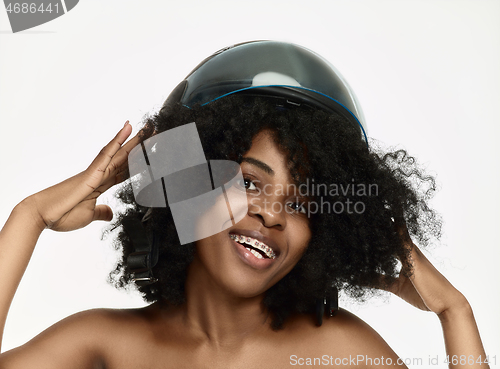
(271, 213)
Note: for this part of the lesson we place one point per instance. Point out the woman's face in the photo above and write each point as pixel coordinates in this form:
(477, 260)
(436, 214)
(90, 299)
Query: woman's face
(255, 253)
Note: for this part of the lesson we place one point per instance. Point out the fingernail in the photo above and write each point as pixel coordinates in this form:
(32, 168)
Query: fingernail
(125, 123)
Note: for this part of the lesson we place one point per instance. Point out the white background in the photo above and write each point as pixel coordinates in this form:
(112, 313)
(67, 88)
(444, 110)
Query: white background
(426, 74)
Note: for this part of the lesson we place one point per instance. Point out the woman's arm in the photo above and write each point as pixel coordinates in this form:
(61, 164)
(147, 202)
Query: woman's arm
(18, 238)
(66, 206)
(426, 288)
(460, 331)
(461, 336)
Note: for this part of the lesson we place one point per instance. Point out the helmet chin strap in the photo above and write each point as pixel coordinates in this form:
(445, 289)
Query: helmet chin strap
(327, 306)
(145, 256)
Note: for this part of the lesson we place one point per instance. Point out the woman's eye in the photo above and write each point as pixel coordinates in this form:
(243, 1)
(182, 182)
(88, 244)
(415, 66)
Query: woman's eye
(298, 207)
(248, 184)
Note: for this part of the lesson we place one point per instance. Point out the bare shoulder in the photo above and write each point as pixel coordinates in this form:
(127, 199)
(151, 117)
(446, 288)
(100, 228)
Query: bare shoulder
(344, 340)
(78, 341)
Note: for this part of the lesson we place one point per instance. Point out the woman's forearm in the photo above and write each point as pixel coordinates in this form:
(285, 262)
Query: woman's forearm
(464, 348)
(18, 238)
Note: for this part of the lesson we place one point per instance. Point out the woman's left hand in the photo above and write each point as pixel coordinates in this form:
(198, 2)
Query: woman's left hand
(422, 285)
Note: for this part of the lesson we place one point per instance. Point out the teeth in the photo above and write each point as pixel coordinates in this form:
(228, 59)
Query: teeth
(256, 254)
(254, 243)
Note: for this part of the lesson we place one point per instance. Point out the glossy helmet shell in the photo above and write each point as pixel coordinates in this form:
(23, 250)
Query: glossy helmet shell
(288, 73)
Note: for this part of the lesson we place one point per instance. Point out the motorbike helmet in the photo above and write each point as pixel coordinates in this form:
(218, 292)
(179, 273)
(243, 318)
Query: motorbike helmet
(288, 73)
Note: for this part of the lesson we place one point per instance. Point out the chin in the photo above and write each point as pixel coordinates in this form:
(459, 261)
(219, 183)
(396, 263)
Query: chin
(234, 267)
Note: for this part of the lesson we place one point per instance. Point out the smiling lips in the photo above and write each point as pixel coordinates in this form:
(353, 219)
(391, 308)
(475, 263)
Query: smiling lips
(266, 251)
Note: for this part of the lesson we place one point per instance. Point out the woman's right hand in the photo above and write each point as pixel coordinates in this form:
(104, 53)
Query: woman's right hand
(71, 204)
(66, 206)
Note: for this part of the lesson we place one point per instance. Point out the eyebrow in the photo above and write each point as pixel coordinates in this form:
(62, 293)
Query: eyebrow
(266, 168)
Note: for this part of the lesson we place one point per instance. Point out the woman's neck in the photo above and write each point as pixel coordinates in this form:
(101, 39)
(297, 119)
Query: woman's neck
(219, 316)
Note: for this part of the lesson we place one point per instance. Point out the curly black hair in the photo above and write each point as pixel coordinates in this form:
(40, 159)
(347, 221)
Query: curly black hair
(352, 249)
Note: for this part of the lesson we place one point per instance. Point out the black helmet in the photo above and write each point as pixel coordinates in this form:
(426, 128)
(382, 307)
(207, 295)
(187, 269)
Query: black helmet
(291, 74)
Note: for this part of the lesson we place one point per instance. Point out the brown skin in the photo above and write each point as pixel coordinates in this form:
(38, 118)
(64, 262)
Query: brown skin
(223, 323)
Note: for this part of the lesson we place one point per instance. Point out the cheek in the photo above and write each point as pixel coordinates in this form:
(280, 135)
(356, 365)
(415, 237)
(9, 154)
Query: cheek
(299, 241)
(297, 245)
(207, 250)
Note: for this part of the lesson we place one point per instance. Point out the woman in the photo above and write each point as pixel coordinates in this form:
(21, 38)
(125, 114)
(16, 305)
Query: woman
(251, 294)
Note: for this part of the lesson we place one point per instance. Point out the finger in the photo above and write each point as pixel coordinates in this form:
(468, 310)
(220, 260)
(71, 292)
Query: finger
(94, 175)
(402, 230)
(116, 179)
(386, 283)
(390, 284)
(117, 174)
(433, 287)
(117, 170)
(102, 212)
(98, 167)
(75, 189)
(121, 156)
